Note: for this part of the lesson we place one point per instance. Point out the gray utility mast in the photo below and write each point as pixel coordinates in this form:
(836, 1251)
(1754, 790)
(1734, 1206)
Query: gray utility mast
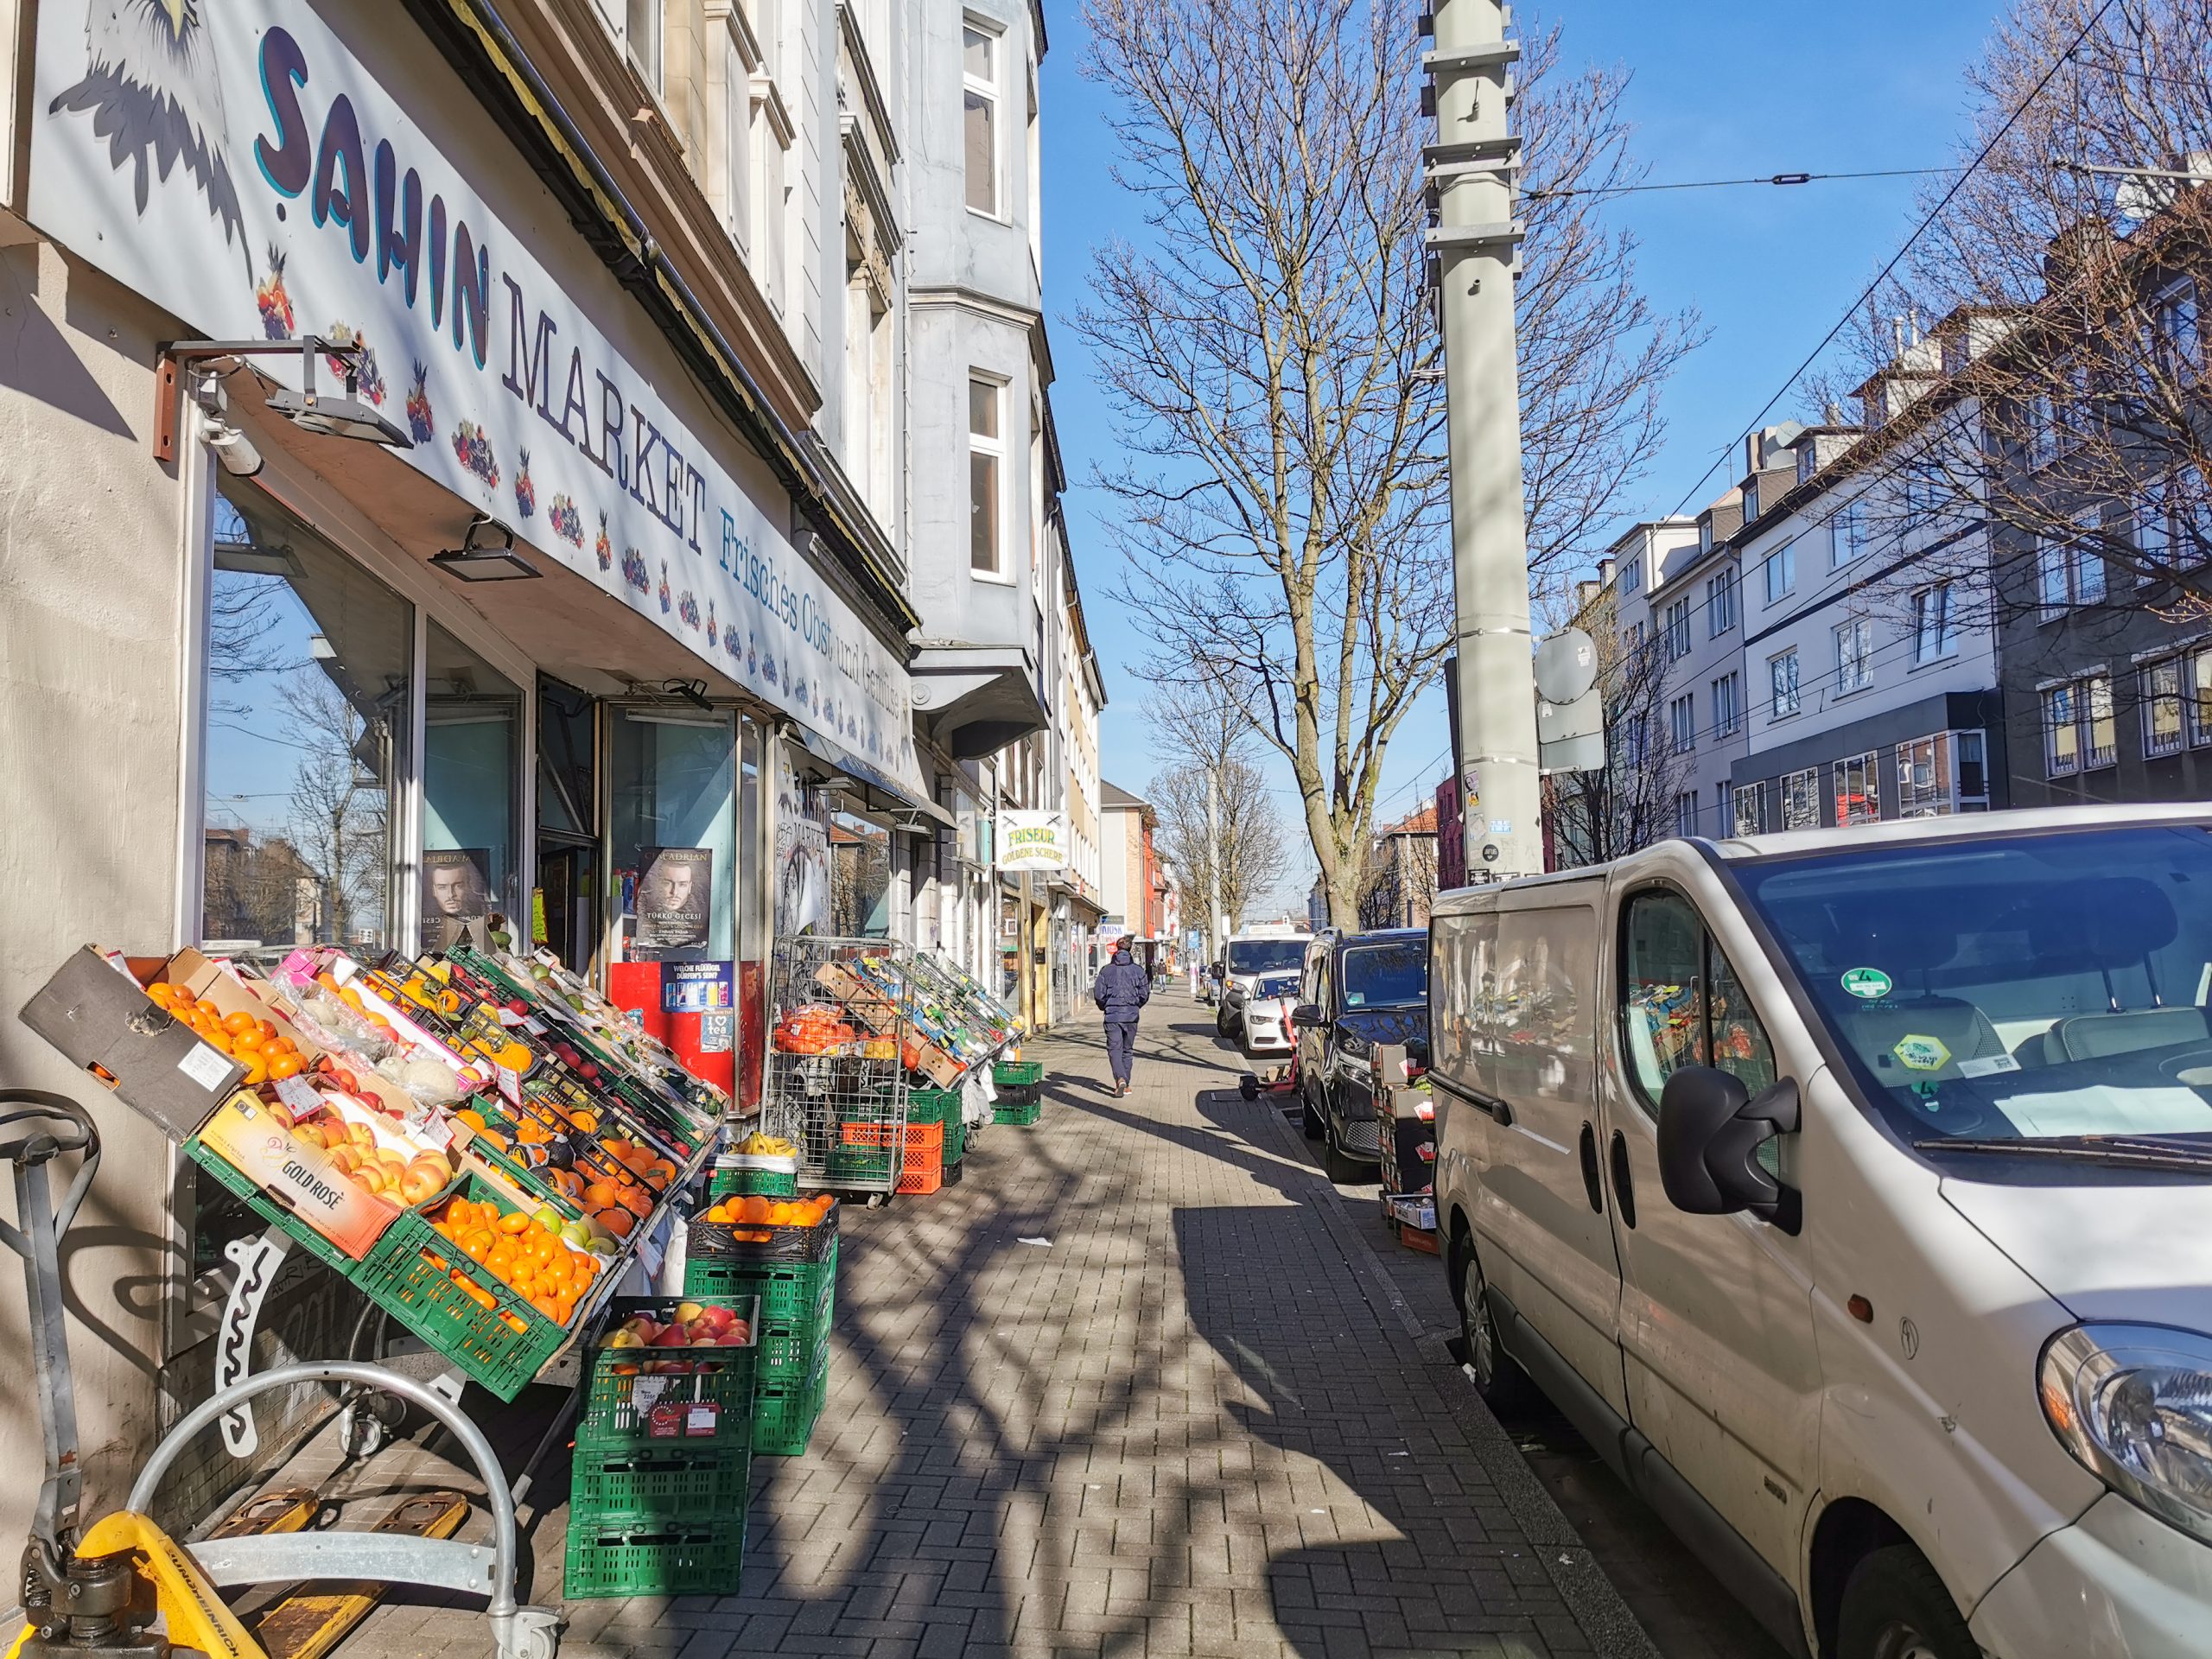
(1472, 172)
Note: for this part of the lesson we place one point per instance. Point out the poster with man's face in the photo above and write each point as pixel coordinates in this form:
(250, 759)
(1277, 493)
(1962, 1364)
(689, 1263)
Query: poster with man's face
(456, 891)
(674, 888)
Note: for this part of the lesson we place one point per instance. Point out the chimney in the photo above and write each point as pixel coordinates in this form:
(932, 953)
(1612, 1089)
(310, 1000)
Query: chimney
(2070, 250)
(1832, 414)
(1605, 572)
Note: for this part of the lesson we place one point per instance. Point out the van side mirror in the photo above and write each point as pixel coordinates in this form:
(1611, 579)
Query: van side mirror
(1306, 1015)
(1710, 1129)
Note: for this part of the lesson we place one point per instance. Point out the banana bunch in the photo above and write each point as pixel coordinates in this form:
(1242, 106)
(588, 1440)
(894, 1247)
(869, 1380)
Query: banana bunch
(760, 1145)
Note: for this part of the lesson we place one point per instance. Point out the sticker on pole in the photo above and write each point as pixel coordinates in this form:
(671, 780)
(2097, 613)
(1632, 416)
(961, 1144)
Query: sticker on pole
(1918, 1053)
(1867, 984)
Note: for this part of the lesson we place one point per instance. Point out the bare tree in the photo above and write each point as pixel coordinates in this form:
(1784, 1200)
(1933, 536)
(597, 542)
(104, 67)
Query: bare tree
(1273, 357)
(1398, 885)
(1628, 803)
(2059, 403)
(1245, 854)
(341, 801)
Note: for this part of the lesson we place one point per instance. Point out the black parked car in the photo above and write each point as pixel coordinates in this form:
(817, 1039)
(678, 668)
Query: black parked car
(1359, 990)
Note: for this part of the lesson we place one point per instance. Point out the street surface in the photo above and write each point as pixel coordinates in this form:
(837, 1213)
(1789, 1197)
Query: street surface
(1144, 1383)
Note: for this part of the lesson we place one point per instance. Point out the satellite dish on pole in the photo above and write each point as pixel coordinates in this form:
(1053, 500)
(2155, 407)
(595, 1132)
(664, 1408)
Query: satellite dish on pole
(1567, 666)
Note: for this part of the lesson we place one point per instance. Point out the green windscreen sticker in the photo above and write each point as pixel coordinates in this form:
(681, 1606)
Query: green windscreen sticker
(1866, 983)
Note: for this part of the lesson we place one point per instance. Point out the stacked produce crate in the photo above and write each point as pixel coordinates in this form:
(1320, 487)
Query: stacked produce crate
(940, 1107)
(661, 1472)
(1021, 1085)
(783, 1252)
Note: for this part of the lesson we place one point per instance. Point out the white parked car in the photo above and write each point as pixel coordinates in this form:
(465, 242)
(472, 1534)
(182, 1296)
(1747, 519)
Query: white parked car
(1266, 1025)
(1851, 1191)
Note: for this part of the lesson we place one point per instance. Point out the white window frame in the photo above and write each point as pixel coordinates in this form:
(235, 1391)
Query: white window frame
(1728, 703)
(1724, 807)
(1845, 537)
(2057, 721)
(1800, 798)
(1864, 771)
(992, 89)
(2174, 314)
(1934, 602)
(1678, 630)
(2161, 688)
(1682, 721)
(1784, 688)
(1720, 603)
(651, 63)
(995, 448)
(2039, 442)
(1750, 803)
(1686, 814)
(2196, 705)
(1783, 559)
(1854, 655)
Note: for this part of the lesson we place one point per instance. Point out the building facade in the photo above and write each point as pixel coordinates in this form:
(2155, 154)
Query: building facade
(516, 448)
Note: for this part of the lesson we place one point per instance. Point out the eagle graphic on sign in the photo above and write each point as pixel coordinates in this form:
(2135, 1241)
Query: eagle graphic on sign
(152, 91)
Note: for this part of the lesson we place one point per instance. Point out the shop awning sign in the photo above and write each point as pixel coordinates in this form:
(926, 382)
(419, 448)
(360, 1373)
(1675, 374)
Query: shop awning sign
(1032, 841)
(263, 178)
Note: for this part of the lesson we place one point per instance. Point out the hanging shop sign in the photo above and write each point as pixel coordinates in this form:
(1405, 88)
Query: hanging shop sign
(1032, 841)
(241, 166)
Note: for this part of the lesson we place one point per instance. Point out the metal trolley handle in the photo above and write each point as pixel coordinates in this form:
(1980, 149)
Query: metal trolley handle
(50, 1126)
(443, 1564)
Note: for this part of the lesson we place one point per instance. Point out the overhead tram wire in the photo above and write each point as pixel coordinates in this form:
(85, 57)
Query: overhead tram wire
(1722, 184)
(1895, 260)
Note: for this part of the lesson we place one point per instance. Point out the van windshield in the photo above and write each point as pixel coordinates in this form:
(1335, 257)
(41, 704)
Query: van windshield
(2017, 987)
(1258, 956)
(1386, 976)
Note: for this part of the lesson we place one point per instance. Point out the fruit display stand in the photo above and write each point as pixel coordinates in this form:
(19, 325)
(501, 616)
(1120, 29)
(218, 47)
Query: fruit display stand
(840, 1045)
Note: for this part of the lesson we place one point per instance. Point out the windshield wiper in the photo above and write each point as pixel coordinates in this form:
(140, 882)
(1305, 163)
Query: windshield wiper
(2119, 1150)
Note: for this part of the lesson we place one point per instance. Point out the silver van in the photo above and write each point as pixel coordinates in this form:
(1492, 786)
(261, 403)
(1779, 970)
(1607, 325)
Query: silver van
(1852, 1191)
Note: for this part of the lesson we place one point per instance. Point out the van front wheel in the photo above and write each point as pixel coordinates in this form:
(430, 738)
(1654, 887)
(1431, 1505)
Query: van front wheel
(1896, 1608)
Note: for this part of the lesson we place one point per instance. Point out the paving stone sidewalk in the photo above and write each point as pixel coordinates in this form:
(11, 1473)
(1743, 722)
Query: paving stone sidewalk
(1133, 1387)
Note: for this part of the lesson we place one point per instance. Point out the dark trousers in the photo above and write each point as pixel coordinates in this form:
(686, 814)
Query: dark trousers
(1120, 1047)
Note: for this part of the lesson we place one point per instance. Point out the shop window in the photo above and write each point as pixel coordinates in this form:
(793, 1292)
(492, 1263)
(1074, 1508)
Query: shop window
(472, 724)
(1801, 799)
(2198, 712)
(1751, 808)
(860, 878)
(2162, 722)
(1857, 799)
(673, 823)
(308, 709)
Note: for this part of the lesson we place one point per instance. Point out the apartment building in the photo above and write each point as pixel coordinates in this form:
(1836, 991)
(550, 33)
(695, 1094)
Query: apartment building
(1696, 616)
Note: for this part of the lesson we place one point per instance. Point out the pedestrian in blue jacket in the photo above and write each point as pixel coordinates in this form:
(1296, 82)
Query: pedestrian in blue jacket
(1120, 990)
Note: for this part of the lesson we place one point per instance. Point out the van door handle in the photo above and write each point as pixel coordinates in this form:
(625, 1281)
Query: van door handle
(1591, 1184)
(1624, 1188)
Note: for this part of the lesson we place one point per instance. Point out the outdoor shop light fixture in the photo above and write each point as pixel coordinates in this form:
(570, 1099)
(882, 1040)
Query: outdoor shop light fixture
(344, 416)
(486, 553)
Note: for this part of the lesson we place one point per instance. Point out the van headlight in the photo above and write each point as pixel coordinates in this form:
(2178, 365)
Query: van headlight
(2133, 1404)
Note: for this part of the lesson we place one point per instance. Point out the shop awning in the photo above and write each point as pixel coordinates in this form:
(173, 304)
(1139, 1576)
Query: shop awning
(874, 781)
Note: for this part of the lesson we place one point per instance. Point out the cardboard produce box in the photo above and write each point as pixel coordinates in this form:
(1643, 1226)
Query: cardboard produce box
(300, 1178)
(103, 1020)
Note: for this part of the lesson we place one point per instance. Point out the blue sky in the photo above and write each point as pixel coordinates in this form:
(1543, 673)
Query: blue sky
(1719, 92)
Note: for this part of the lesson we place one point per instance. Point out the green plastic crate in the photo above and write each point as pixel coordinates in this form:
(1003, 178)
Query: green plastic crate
(613, 1420)
(1013, 1074)
(932, 1106)
(1020, 1117)
(790, 1293)
(956, 1139)
(677, 1481)
(754, 1183)
(241, 1187)
(401, 1278)
(865, 1165)
(783, 1418)
(649, 1556)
